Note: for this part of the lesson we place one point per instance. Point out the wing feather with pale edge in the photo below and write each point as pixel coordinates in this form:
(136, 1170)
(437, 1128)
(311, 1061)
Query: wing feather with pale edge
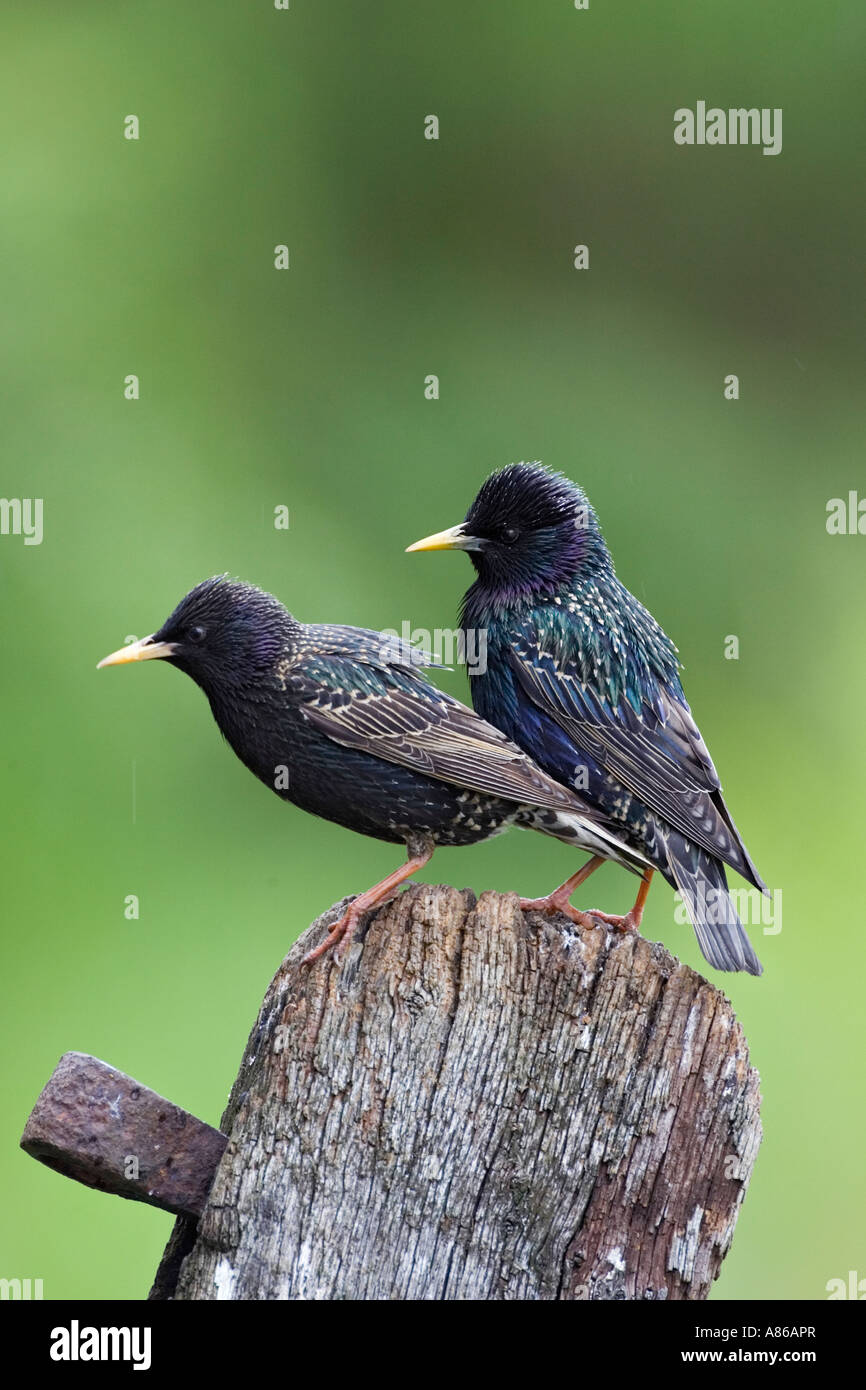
(663, 761)
(396, 715)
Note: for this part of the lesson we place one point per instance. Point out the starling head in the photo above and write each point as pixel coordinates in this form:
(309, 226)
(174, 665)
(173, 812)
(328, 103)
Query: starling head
(223, 633)
(528, 530)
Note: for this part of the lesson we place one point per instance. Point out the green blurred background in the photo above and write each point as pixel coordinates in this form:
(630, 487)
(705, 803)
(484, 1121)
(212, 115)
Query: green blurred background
(306, 388)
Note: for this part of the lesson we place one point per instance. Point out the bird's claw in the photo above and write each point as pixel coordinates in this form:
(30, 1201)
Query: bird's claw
(552, 904)
(630, 922)
(336, 940)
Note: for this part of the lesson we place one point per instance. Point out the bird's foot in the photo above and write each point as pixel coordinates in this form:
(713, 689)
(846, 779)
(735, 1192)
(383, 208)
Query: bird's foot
(630, 922)
(339, 936)
(558, 900)
(341, 932)
(554, 902)
(633, 918)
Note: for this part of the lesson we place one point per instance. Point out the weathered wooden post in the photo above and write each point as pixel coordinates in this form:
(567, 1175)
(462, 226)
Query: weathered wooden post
(480, 1105)
(475, 1104)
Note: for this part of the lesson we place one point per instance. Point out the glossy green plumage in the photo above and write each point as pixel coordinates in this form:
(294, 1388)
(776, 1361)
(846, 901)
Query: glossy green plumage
(583, 678)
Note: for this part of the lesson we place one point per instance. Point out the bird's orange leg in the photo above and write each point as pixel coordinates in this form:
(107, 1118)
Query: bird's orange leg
(374, 897)
(558, 900)
(632, 920)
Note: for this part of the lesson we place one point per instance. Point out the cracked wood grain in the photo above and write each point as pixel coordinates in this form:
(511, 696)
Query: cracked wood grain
(478, 1104)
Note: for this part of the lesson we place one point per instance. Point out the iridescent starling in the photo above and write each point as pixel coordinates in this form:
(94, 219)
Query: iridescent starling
(341, 721)
(582, 677)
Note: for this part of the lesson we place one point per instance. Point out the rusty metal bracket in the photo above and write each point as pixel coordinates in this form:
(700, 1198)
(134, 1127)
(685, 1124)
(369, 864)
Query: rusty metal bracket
(97, 1125)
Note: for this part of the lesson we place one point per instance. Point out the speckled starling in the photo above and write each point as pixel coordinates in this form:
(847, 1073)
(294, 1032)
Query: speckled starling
(342, 722)
(582, 677)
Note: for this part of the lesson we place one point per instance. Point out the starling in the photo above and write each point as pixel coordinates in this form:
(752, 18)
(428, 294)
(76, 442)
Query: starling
(343, 723)
(585, 681)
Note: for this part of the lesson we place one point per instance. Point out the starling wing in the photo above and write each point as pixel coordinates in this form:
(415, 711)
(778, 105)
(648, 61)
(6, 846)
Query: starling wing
(371, 696)
(658, 755)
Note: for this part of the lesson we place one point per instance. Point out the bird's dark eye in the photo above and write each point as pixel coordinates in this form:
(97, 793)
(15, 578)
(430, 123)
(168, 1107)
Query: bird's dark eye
(510, 534)
(196, 634)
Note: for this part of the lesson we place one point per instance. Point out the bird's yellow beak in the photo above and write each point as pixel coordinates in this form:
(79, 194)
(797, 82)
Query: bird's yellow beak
(455, 538)
(144, 650)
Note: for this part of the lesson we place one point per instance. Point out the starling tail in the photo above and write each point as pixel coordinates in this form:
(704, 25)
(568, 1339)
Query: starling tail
(704, 887)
